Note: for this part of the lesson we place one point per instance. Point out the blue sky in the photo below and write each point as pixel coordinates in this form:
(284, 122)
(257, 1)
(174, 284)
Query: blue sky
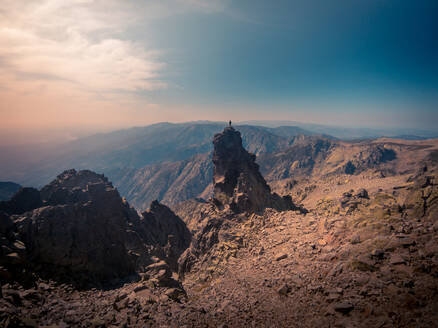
(93, 64)
(325, 57)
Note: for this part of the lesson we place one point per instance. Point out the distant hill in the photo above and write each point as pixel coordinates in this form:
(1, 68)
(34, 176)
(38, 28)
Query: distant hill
(8, 189)
(138, 147)
(343, 132)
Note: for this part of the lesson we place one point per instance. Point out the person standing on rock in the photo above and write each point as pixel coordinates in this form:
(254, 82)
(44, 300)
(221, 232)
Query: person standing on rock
(229, 123)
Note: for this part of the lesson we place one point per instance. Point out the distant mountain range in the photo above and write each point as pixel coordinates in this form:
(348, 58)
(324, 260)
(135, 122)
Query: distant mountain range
(343, 132)
(172, 162)
(138, 147)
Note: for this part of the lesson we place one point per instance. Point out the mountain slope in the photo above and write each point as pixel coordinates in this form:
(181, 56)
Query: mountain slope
(170, 182)
(306, 157)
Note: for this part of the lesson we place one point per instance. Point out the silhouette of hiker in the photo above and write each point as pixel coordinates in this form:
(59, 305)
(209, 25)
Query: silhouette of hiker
(229, 123)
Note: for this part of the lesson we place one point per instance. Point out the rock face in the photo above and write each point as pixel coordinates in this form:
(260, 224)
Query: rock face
(160, 227)
(237, 179)
(370, 157)
(84, 229)
(422, 200)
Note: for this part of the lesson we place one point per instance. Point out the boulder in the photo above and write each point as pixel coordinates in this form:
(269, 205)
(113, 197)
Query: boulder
(343, 307)
(362, 193)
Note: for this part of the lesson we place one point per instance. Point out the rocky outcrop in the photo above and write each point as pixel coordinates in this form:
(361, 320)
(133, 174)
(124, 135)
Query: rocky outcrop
(84, 230)
(237, 181)
(370, 156)
(80, 230)
(206, 238)
(160, 227)
(422, 200)
(72, 187)
(298, 160)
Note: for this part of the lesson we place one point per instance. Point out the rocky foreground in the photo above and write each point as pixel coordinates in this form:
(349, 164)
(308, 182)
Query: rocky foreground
(75, 254)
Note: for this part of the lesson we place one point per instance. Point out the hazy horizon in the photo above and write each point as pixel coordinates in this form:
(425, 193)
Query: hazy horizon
(57, 136)
(79, 67)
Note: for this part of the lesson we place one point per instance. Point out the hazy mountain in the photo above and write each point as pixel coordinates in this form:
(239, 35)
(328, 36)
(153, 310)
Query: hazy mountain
(8, 189)
(345, 132)
(138, 147)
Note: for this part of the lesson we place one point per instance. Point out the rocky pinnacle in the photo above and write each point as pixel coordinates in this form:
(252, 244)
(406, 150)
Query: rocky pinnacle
(237, 181)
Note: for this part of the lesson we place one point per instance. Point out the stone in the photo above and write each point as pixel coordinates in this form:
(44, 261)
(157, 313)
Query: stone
(407, 241)
(362, 264)
(97, 322)
(30, 294)
(396, 259)
(140, 288)
(280, 257)
(175, 293)
(333, 297)
(355, 239)
(284, 290)
(343, 307)
(13, 295)
(362, 193)
(378, 254)
(45, 287)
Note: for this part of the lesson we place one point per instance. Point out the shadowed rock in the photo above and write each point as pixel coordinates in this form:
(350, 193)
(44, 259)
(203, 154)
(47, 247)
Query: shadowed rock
(87, 232)
(26, 199)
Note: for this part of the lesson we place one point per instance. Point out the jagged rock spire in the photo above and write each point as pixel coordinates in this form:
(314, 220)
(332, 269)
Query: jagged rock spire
(237, 179)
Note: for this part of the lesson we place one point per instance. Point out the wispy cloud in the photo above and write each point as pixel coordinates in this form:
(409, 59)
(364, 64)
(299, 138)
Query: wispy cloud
(75, 42)
(70, 63)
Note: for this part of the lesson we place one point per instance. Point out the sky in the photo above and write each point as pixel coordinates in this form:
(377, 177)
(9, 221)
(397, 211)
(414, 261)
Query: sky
(71, 67)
